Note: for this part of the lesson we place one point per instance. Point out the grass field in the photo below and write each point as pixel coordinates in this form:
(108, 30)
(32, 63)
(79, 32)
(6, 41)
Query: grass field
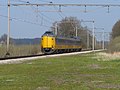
(79, 72)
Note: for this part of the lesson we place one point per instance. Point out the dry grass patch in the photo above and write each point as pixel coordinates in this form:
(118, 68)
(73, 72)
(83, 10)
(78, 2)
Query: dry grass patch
(103, 56)
(20, 50)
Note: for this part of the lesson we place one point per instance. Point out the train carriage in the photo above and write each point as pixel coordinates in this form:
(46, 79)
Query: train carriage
(54, 44)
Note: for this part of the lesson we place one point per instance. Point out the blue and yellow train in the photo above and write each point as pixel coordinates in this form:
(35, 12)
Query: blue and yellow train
(51, 43)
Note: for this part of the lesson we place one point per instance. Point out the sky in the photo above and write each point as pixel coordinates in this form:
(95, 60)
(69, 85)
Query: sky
(31, 22)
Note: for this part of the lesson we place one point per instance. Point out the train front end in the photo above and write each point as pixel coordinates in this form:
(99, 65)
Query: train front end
(48, 42)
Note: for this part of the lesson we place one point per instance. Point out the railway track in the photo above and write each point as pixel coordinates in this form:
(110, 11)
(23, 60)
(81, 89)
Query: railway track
(27, 56)
(18, 59)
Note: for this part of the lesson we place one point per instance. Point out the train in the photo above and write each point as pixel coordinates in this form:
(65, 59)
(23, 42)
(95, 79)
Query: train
(51, 43)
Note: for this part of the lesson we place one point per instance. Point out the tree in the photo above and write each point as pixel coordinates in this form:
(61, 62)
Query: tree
(114, 45)
(67, 28)
(116, 30)
(3, 38)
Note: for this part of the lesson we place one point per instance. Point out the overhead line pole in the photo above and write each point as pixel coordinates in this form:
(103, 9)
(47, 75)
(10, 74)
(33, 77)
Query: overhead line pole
(76, 31)
(103, 40)
(93, 48)
(93, 34)
(103, 35)
(8, 35)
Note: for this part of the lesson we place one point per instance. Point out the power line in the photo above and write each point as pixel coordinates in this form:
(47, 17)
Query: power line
(45, 1)
(51, 4)
(21, 1)
(65, 5)
(43, 15)
(60, 13)
(33, 8)
(23, 21)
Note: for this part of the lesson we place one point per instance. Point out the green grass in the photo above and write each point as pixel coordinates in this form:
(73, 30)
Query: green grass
(79, 72)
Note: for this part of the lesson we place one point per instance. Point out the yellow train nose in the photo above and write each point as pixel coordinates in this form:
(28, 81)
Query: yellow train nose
(47, 42)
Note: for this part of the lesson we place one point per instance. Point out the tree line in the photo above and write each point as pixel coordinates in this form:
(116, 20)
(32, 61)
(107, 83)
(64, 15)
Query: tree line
(24, 41)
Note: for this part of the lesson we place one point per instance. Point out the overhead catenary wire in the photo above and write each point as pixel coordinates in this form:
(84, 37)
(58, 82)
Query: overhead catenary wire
(48, 20)
(60, 5)
(21, 1)
(43, 15)
(51, 4)
(23, 20)
(33, 8)
(61, 13)
(45, 1)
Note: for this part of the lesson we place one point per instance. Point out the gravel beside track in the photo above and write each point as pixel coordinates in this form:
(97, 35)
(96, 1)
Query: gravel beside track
(19, 60)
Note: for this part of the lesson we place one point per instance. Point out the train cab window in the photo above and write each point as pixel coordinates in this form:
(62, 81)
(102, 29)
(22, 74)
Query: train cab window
(49, 33)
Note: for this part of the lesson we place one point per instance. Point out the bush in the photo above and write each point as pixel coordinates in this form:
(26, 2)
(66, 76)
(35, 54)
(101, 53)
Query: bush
(20, 50)
(114, 45)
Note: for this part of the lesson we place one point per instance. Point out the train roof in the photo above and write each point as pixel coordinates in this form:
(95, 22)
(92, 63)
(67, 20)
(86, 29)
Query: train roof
(50, 33)
(67, 38)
